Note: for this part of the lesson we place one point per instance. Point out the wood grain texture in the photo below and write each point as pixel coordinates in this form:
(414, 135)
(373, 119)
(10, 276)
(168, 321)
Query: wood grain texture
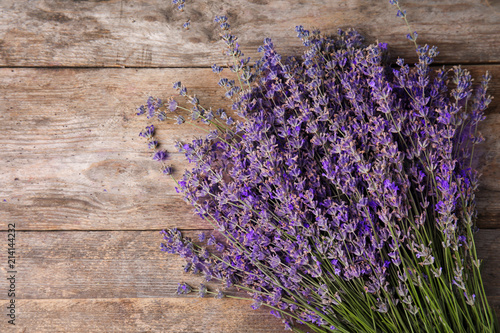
(72, 158)
(122, 264)
(96, 264)
(172, 315)
(149, 33)
(105, 276)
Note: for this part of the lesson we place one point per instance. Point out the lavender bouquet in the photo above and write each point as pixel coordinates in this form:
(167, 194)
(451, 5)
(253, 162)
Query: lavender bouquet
(343, 190)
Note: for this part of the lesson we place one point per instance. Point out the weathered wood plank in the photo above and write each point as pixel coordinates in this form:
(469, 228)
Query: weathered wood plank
(149, 33)
(172, 315)
(100, 276)
(129, 264)
(119, 194)
(91, 264)
(144, 315)
(488, 246)
(81, 125)
(72, 160)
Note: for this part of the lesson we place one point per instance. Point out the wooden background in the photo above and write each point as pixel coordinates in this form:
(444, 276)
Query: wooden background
(75, 178)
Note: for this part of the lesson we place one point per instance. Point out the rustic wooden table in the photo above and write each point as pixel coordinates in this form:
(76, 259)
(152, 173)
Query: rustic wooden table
(77, 181)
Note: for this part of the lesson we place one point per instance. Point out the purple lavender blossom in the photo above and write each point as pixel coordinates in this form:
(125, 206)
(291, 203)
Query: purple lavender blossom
(152, 144)
(148, 132)
(202, 290)
(339, 170)
(172, 105)
(167, 170)
(141, 110)
(160, 155)
(183, 289)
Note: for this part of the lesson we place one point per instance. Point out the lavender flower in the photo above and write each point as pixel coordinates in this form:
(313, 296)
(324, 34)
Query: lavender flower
(141, 110)
(167, 170)
(180, 120)
(172, 105)
(347, 179)
(202, 291)
(219, 294)
(160, 155)
(183, 289)
(148, 132)
(152, 144)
